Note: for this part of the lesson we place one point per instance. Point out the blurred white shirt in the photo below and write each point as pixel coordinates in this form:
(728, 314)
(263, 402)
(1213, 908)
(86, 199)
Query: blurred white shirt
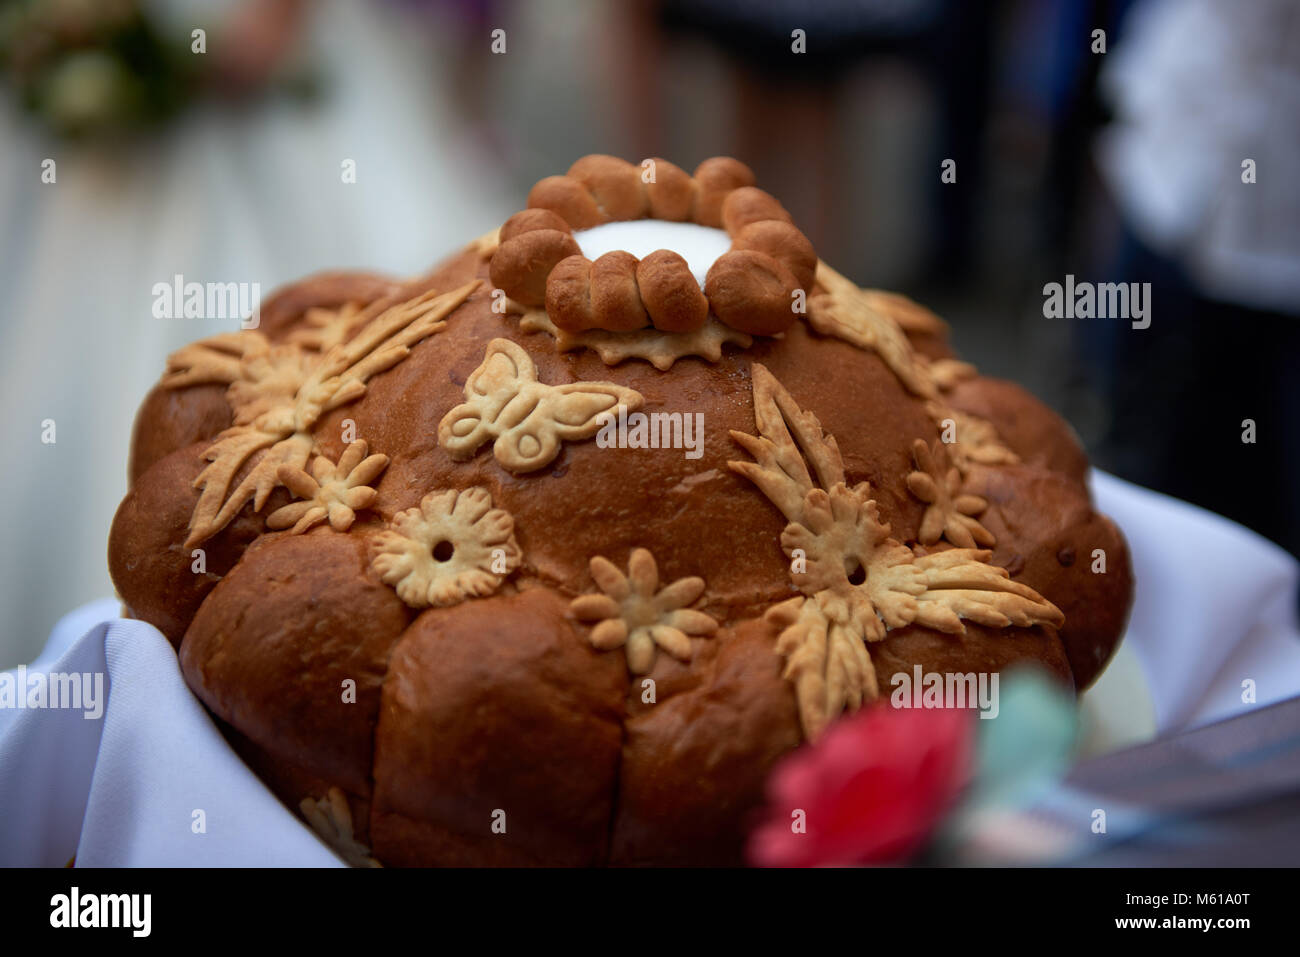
(1198, 86)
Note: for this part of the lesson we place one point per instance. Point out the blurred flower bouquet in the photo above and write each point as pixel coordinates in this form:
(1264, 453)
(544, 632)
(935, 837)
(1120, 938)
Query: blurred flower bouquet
(892, 786)
(85, 66)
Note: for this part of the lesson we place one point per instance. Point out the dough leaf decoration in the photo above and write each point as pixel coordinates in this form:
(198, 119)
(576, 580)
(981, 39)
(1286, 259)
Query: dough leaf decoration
(331, 818)
(869, 320)
(857, 581)
(321, 329)
(968, 439)
(279, 392)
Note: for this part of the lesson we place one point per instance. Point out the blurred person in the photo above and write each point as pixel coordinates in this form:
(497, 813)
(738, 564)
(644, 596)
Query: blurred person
(789, 103)
(1203, 162)
(223, 185)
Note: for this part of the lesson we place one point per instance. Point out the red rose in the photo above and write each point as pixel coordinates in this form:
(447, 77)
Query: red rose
(871, 789)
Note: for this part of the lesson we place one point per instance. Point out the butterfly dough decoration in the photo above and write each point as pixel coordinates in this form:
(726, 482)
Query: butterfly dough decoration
(526, 419)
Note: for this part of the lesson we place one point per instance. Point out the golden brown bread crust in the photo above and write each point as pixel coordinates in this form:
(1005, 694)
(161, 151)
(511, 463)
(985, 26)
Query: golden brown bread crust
(281, 677)
(160, 580)
(672, 194)
(281, 312)
(170, 419)
(1032, 430)
(1047, 533)
(501, 703)
(751, 291)
(669, 293)
(694, 762)
(542, 745)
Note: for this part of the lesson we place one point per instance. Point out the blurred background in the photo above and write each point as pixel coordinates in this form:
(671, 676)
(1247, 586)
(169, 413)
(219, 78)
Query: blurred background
(1112, 157)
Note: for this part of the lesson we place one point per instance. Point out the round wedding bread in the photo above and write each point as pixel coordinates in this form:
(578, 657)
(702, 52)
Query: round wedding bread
(540, 559)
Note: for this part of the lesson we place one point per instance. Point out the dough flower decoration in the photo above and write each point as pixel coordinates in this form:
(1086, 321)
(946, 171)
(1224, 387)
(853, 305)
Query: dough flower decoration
(869, 320)
(322, 329)
(752, 287)
(950, 513)
(453, 546)
(632, 611)
(329, 492)
(969, 439)
(331, 819)
(279, 392)
(857, 581)
(526, 419)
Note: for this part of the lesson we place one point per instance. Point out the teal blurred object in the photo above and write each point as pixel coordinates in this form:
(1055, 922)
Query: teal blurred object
(1221, 795)
(1028, 746)
(1021, 754)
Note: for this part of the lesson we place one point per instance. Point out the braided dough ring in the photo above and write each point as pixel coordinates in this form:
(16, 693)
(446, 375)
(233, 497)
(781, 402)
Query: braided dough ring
(752, 288)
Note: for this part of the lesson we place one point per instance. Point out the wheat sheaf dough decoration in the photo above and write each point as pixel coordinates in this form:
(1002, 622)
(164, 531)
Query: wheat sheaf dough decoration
(331, 819)
(750, 288)
(279, 392)
(872, 320)
(857, 581)
(526, 419)
(322, 329)
(633, 612)
(455, 545)
(950, 513)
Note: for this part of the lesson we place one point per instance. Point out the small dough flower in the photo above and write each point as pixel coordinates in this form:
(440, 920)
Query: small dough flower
(454, 546)
(857, 574)
(950, 514)
(336, 492)
(633, 611)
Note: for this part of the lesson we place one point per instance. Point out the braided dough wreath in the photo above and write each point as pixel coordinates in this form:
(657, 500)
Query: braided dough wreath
(753, 287)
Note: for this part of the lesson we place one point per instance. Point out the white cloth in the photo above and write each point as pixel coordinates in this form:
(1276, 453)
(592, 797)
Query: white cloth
(1215, 606)
(123, 790)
